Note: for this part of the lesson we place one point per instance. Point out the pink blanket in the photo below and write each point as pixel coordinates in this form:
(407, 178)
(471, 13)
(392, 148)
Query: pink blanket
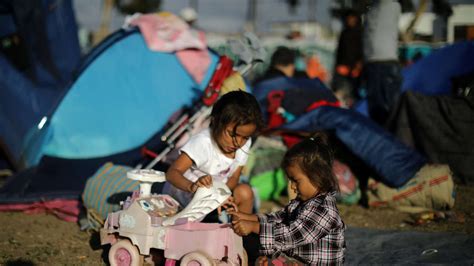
(67, 210)
(166, 32)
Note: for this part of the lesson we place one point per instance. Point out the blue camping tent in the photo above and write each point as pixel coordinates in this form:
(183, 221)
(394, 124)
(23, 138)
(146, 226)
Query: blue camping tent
(124, 95)
(122, 98)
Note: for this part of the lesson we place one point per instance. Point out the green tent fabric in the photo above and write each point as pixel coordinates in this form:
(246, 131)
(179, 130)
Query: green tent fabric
(263, 168)
(270, 184)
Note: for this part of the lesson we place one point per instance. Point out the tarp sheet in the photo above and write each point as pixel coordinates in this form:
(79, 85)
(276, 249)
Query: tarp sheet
(383, 247)
(395, 162)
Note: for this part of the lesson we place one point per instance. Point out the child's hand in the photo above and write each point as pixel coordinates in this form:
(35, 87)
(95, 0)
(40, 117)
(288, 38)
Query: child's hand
(236, 215)
(245, 227)
(262, 261)
(228, 205)
(203, 181)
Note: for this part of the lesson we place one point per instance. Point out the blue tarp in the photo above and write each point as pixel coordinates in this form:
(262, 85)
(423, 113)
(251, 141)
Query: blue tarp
(393, 161)
(263, 88)
(49, 46)
(388, 247)
(432, 74)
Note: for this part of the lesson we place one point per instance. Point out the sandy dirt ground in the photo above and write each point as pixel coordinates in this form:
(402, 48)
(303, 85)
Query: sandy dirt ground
(42, 239)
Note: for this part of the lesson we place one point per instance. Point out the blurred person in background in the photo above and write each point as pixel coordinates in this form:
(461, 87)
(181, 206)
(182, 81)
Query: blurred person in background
(282, 63)
(381, 66)
(349, 57)
(315, 69)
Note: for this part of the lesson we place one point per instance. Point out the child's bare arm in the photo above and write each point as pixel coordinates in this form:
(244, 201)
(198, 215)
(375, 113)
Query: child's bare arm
(175, 172)
(234, 178)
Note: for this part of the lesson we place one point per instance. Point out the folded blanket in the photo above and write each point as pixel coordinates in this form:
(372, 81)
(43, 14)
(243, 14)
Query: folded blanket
(166, 32)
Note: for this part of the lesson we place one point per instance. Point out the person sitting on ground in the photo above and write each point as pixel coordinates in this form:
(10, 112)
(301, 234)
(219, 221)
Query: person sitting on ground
(219, 152)
(282, 63)
(309, 230)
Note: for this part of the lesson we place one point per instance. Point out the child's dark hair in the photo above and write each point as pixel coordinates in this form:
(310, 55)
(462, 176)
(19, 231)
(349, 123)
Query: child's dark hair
(315, 157)
(283, 56)
(237, 107)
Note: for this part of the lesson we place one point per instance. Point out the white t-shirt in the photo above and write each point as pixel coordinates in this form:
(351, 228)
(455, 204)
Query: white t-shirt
(208, 159)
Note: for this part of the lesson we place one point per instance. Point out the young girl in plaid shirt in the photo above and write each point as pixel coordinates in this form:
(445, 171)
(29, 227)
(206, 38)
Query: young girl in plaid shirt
(309, 229)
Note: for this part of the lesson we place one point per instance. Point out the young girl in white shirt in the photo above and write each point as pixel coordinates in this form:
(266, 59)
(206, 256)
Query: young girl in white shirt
(219, 152)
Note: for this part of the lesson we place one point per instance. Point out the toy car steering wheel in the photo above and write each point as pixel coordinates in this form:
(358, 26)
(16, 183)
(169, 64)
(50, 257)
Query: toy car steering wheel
(146, 177)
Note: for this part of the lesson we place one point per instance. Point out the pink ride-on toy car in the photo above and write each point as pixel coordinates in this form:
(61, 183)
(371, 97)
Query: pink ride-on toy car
(149, 221)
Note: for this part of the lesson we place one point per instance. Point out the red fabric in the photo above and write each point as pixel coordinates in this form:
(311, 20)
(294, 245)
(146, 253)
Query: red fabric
(322, 103)
(223, 70)
(274, 102)
(275, 119)
(67, 210)
(291, 140)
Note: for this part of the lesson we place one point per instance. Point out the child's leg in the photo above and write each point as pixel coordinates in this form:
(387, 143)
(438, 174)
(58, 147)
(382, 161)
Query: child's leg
(252, 246)
(283, 259)
(243, 197)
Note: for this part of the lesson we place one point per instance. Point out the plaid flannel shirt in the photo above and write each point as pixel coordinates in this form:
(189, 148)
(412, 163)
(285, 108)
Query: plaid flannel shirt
(311, 231)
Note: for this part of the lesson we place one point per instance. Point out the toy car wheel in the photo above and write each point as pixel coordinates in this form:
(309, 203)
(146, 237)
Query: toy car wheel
(123, 253)
(197, 258)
